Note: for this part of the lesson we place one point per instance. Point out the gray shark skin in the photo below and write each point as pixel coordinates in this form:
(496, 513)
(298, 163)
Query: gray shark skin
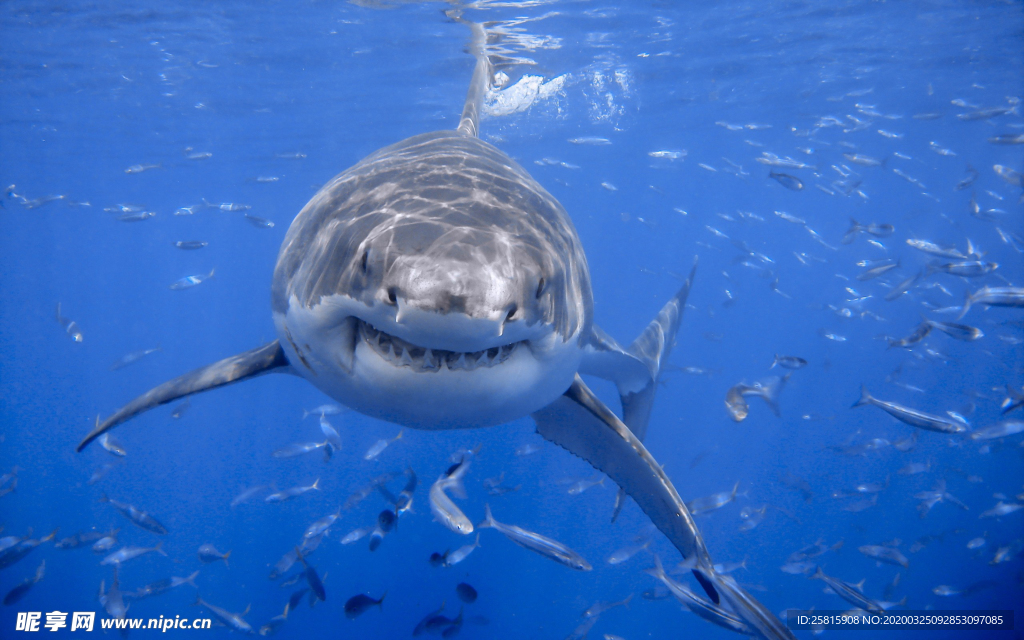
(436, 285)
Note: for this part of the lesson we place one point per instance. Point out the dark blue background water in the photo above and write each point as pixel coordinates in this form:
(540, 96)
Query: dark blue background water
(90, 90)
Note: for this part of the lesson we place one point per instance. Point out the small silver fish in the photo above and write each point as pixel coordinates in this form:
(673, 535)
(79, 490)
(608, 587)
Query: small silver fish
(113, 446)
(904, 286)
(876, 271)
(288, 494)
(132, 358)
(913, 417)
(958, 331)
(994, 297)
(936, 250)
(884, 554)
(715, 501)
(1007, 138)
(788, 362)
(580, 486)
(136, 217)
(849, 592)
(332, 435)
(208, 553)
(139, 168)
(356, 534)
(999, 430)
(1002, 509)
(862, 160)
(1011, 176)
(445, 511)
(460, 554)
(190, 281)
(70, 326)
(124, 554)
(245, 495)
(767, 389)
(790, 182)
(535, 542)
(625, 553)
(378, 447)
(190, 245)
(874, 229)
(256, 221)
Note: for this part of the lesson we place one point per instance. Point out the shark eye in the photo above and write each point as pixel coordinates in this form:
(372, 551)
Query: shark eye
(393, 295)
(511, 313)
(366, 257)
(540, 287)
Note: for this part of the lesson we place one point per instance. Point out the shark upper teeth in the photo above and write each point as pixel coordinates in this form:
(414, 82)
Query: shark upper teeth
(404, 354)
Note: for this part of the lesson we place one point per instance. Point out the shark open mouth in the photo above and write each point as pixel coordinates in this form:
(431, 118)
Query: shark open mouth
(405, 354)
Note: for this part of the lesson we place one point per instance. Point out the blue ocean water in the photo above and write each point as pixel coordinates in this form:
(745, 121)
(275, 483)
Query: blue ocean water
(868, 95)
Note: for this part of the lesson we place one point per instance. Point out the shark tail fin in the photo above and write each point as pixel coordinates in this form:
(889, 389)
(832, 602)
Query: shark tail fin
(652, 347)
(234, 369)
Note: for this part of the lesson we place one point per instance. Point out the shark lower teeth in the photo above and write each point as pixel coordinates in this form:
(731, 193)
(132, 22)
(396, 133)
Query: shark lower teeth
(404, 354)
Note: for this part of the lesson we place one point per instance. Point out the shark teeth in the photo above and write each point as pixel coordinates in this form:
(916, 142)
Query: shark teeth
(404, 354)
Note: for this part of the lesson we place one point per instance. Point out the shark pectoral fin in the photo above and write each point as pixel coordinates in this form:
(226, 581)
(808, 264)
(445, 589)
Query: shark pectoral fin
(234, 369)
(582, 424)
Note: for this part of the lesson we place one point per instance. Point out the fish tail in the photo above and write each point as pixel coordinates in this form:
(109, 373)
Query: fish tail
(775, 362)
(625, 602)
(818, 575)
(657, 571)
(400, 432)
(225, 558)
(380, 603)
(191, 578)
(488, 518)
(966, 307)
(159, 548)
(865, 398)
(316, 484)
(199, 601)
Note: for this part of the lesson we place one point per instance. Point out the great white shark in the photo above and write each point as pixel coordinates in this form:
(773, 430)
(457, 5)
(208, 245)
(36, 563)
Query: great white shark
(437, 285)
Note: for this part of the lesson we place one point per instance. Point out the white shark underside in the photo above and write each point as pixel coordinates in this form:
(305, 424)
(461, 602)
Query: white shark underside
(436, 285)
